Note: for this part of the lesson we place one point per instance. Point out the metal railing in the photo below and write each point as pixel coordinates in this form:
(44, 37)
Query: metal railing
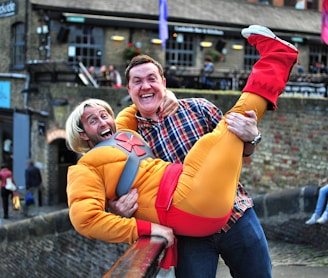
(140, 260)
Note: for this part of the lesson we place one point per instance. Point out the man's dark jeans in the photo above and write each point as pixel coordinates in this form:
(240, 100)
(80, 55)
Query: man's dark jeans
(243, 248)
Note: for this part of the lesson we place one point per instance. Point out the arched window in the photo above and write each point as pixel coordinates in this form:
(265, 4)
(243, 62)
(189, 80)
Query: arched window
(18, 45)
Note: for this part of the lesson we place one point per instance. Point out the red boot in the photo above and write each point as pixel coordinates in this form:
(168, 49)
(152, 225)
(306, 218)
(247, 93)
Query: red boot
(271, 72)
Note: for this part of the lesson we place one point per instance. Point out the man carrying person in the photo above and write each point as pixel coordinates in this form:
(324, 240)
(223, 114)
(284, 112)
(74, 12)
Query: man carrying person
(278, 57)
(241, 243)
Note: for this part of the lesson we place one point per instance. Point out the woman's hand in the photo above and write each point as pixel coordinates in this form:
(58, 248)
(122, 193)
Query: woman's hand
(163, 231)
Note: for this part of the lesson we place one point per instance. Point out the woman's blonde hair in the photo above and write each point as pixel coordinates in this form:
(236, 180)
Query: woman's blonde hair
(74, 125)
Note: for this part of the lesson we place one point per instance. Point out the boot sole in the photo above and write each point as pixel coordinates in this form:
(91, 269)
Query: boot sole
(264, 31)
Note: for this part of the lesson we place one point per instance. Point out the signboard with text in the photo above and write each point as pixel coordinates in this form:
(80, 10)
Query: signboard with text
(8, 8)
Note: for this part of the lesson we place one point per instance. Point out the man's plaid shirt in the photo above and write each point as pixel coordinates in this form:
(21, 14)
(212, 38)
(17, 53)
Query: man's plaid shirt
(171, 138)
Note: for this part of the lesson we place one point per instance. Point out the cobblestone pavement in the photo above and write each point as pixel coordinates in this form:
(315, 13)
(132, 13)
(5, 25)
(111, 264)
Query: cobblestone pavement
(294, 254)
(292, 260)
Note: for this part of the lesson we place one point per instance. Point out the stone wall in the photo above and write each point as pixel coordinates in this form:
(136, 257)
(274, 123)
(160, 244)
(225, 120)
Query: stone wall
(47, 246)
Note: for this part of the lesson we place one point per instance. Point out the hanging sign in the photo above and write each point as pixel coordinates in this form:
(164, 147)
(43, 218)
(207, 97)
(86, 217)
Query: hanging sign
(8, 8)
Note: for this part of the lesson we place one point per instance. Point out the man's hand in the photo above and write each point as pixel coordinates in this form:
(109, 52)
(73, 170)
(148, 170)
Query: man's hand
(244, 127)
(169, 105)
(126, 205)
(163, 231)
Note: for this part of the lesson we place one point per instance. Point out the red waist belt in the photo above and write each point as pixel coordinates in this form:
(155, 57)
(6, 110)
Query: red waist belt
(182, 223)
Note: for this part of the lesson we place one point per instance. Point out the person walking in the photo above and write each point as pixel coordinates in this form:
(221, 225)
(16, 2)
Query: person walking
(33, 182)
(5, 173)
(320, 214)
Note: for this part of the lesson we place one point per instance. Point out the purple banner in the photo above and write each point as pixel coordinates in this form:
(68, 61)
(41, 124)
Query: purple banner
(163, 28)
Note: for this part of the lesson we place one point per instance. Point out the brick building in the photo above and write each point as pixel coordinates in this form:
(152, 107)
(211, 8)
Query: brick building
(49, 44)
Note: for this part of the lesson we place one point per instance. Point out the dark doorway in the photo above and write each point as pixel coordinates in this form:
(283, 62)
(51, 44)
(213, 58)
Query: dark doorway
(66, 158)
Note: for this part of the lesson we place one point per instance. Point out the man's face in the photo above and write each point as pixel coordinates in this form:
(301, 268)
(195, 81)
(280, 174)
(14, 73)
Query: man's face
(98, 125)
(147, 89)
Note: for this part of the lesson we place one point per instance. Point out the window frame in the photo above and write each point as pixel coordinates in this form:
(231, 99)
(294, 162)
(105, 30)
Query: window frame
(18, 46)
(88, 43)
(181, 54)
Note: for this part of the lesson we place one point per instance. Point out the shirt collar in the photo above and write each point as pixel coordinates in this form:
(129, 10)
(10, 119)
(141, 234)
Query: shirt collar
(146, 122)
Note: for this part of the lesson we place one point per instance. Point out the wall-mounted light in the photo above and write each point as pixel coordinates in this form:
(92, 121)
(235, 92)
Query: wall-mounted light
(206, 44)
(156, 41)
(180, 38)
(117, 38)
(237, 47)
(42, 29)
(297, 39)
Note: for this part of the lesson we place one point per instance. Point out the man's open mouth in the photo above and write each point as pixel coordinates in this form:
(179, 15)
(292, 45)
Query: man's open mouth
(107, 132)
(146, 95)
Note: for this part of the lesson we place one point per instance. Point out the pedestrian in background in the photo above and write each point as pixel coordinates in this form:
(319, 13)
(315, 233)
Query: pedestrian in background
(114, 77)
(321, 206)
(5, 193)
(207, 70)
(33, 181)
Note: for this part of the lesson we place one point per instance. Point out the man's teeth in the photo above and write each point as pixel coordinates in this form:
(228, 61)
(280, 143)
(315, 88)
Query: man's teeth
(147, 95)
(106, 132)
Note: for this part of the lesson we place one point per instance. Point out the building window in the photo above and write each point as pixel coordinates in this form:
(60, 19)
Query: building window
(86, 45)
(290, 3)
(318, 58)
(251, 56)
(180, 50)
(305, 4)
(312, 4)
(18, 42)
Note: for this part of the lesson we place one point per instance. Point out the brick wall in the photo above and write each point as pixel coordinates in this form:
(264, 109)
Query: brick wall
(294, 150)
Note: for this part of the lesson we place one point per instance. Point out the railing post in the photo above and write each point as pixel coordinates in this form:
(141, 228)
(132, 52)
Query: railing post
(140, 260)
